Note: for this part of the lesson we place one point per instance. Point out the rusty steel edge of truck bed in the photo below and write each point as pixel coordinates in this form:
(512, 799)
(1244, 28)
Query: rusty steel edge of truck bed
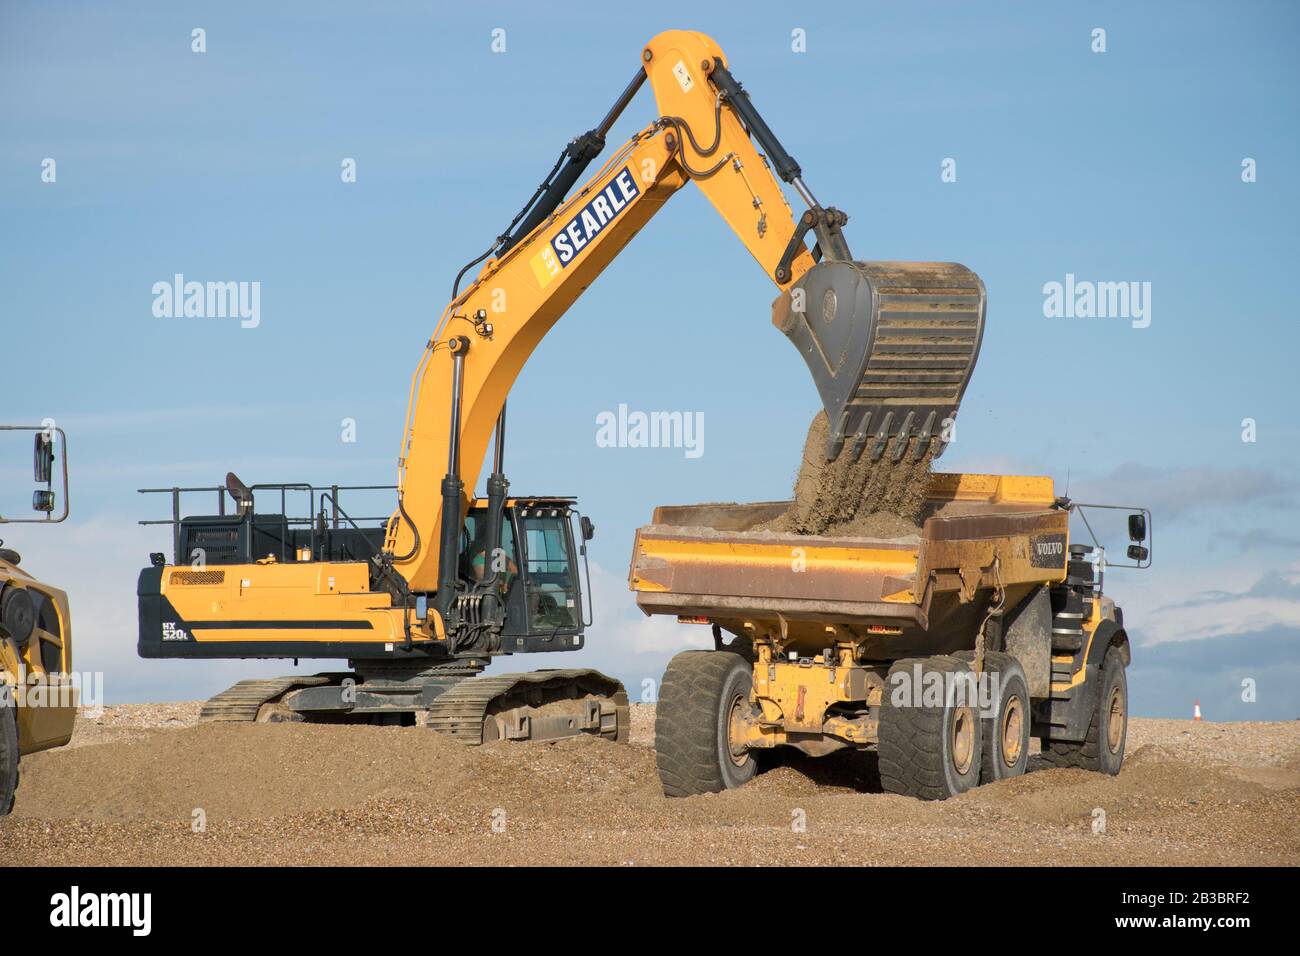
(979, 532)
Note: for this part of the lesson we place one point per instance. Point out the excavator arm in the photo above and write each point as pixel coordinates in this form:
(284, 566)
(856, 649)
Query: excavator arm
(489, 330)
(708, 132)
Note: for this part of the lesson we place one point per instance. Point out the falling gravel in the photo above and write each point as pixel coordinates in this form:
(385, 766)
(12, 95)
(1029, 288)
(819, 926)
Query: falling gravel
(848, 497)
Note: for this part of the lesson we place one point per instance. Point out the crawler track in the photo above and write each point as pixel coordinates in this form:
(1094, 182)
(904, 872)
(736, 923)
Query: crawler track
(462, 712)
(243, 701)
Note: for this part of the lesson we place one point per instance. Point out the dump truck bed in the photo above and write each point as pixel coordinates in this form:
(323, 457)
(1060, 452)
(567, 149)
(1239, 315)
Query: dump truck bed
(978, 533)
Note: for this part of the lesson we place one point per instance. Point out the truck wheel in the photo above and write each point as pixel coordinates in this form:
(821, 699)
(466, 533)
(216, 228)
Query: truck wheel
(927, 749)
(1006, 732)
(8, 757)
(1102, 749)
(702, 697)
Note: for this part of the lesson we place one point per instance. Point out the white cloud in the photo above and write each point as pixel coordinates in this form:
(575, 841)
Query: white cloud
(616, 613)
(1217, 602)
(1174, 492)
(96, 562)
(624, 642)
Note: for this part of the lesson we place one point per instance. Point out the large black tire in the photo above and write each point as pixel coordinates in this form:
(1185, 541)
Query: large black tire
(1102, 749)
(8, 755)
(1006, 729)
(698, 694)
(928, 751)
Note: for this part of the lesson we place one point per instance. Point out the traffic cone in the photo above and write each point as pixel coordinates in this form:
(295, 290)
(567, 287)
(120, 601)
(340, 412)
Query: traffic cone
(1196, 711)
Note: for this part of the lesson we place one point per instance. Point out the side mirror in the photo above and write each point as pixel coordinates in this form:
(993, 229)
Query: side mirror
(1137, 528)
(43, 501)
(588, 529)
(1138, 553)
(43, 458)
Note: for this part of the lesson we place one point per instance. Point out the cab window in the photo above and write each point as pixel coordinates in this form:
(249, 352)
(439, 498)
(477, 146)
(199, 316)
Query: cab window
(477, 562)
(551, 587)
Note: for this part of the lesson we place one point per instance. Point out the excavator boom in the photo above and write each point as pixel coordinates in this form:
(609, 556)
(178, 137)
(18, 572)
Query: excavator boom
(419, 605)
(890, 346)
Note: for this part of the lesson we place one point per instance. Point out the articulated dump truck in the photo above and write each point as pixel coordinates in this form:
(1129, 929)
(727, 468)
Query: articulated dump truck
(944, 650)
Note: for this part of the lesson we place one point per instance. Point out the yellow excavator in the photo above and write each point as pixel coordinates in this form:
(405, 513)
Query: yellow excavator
(420, 603)
(38, 705)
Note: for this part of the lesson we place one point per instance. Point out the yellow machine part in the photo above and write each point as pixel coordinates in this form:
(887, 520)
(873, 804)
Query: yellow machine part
(308, 594)
(980, 533)
(47, 702)
(527, 290)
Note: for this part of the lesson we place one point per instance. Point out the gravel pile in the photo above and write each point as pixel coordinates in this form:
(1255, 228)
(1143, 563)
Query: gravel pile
(1219, 794)
(120, 722)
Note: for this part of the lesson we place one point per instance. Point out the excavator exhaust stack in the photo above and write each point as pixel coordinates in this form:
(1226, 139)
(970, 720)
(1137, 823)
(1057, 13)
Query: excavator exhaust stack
(891, 346)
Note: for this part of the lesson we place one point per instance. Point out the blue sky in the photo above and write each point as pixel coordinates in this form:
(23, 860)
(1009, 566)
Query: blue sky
(225, 166)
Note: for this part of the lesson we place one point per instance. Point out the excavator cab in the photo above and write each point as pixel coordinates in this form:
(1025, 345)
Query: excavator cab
(535, 570)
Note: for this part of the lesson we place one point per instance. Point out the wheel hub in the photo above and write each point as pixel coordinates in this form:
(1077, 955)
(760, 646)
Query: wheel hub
(1115, 720)
(1013, 723)
(737, 726)
(963, 739)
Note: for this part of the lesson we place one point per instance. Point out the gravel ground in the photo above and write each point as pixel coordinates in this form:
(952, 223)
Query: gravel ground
(146, 784)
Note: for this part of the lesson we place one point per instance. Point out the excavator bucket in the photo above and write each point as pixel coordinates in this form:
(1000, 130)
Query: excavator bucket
(891, 346)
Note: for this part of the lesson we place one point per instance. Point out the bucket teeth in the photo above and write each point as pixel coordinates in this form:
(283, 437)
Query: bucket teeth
(890, 345)
(900, 440)
(835, 440)
(923, 439)
(860, 438)
(882, 437)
